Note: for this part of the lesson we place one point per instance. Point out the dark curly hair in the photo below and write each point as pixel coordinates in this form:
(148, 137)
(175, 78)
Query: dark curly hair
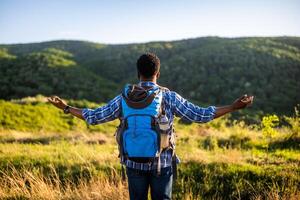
(148, 64)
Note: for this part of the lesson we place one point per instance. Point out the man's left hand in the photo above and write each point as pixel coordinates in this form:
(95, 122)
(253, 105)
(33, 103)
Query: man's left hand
(242, 102)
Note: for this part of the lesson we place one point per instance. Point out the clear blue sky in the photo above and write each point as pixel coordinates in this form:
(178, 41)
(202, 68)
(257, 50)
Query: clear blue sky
(121, 21)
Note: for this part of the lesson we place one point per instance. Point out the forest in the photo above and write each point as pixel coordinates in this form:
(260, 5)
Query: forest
(206, 71)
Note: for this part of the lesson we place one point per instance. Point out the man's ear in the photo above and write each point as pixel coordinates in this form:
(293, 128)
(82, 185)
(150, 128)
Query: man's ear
(157, 75)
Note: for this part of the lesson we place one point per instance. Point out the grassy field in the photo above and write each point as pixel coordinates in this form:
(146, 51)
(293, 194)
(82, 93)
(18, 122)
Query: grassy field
(58, 157)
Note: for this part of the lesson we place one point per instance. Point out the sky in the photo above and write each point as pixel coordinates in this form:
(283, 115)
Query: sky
(135, 21)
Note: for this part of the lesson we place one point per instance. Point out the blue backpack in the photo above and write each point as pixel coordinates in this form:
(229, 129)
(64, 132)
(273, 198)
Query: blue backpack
(144, 131)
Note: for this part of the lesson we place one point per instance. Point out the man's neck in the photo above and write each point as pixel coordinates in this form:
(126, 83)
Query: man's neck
(148, 80)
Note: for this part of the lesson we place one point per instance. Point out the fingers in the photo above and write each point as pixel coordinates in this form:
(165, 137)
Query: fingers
(248, 100)
(245, 99)
(54, 99)
(50, 99)
(242, 97)
(252, 97)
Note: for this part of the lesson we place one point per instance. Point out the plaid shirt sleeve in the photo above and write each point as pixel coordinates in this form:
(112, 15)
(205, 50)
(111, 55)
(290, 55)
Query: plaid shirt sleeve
(189, 111)
(105, 113)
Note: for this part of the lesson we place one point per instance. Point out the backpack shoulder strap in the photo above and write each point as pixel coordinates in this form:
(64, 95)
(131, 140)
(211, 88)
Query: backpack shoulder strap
(162, 107)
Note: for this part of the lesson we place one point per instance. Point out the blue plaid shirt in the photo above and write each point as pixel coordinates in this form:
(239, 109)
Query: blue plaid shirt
(175, 105)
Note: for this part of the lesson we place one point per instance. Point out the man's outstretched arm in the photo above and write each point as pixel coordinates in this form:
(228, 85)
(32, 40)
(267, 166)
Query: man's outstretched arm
(102, 114)
(59, 103)
(239, 103)
(193, 113)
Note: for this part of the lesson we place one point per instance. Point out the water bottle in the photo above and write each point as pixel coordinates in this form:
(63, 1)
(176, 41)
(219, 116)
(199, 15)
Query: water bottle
(164, 136)
(164, 123)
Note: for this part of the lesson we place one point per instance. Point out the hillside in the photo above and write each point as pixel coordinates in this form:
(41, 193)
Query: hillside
(207, 70)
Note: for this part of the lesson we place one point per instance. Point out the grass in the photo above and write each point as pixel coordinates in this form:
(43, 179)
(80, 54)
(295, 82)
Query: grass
(34, 115)
(26, 184)
(77, 166)
(218, 161)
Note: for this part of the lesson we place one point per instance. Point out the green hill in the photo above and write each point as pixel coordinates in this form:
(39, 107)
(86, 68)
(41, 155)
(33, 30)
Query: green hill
(50, 71)
(207, 70)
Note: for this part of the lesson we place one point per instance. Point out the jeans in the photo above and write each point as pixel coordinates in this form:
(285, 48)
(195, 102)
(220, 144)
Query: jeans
(140, 180)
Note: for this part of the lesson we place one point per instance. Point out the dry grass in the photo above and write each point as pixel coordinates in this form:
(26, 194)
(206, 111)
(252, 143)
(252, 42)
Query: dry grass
(96, 153)
(12, 136)
(27, 185)
(274, 195)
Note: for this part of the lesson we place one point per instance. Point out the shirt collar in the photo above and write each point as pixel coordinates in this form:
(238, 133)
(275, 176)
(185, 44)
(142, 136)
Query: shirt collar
(147, 83)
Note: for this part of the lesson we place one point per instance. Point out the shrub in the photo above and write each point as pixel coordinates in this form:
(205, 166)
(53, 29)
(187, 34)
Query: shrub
(210, 143)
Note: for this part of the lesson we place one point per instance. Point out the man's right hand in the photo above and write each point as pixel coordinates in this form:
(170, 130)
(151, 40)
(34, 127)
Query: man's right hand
(56, 101)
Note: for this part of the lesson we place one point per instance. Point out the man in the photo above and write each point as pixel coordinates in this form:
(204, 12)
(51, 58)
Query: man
(141, 176)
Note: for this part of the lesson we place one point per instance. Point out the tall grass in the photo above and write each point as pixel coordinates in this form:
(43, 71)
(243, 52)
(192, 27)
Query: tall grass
(70, 160)
(25, 184)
